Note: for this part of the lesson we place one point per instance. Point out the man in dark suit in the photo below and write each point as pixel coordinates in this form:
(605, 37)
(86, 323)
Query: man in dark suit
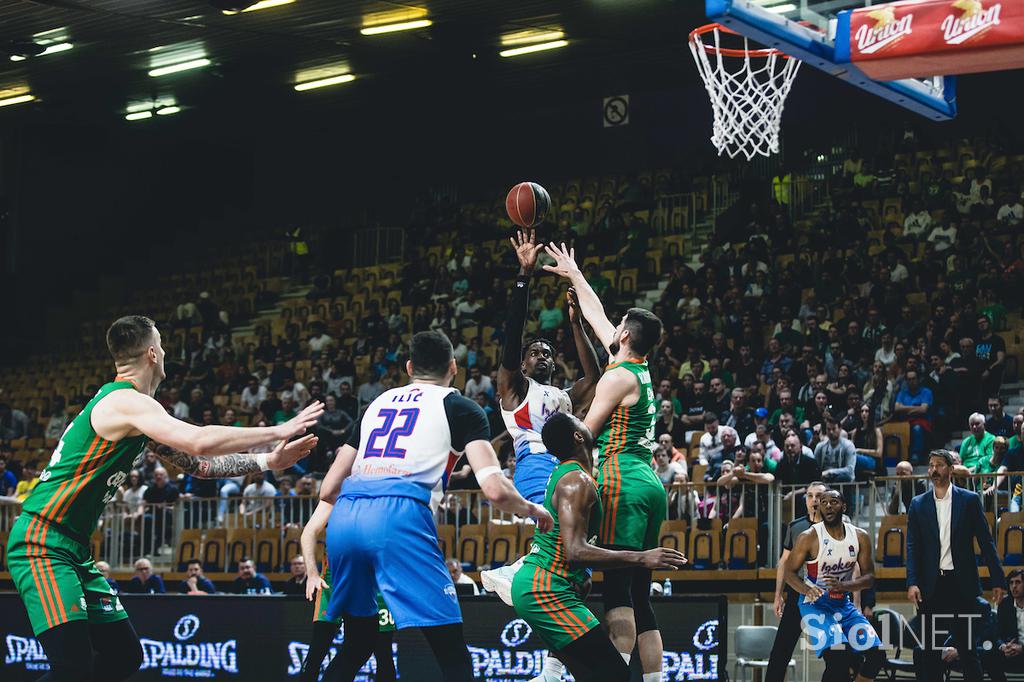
(942, 574)
(1008, 656)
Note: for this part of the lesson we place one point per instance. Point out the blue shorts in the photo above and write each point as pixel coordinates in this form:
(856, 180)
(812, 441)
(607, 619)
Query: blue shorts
(832, 623)
(388, 544)
(533, 470)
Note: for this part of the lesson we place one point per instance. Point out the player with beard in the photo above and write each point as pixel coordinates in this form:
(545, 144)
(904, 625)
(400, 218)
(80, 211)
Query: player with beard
(528, 399)
(830, 551)
(635, 505)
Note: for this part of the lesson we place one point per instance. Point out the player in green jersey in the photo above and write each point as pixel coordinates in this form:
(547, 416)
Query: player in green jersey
(319, 587)
(547, 592)
(74, 614)
(635, 503)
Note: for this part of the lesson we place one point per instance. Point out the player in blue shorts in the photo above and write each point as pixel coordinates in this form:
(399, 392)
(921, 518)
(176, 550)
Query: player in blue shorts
(527, 399)
(830, 551)
(381, 534)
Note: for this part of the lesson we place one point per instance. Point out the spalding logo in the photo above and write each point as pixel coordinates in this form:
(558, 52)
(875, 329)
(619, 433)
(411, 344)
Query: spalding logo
(516, 633)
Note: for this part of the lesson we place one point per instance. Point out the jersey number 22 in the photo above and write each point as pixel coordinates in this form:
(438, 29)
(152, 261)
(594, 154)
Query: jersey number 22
(391, 429)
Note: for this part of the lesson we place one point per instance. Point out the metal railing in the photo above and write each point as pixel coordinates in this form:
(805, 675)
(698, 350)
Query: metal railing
(128, 531)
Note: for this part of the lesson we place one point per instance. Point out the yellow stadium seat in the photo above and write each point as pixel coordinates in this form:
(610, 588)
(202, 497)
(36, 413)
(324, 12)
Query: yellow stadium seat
(190, 543)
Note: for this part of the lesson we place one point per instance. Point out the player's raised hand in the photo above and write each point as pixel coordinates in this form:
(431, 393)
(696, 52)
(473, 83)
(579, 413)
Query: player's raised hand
(303, 421)
(662, 558)
(574, 305)
(288, 453)
(544, 520)
(526, 250)
(565, 260)
(314, 582)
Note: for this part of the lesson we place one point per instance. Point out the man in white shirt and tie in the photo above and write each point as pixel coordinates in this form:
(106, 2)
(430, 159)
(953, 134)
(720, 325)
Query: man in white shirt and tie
(942, 573)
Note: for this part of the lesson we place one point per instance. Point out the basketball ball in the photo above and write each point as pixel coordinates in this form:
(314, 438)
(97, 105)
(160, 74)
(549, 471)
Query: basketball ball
(527, 203)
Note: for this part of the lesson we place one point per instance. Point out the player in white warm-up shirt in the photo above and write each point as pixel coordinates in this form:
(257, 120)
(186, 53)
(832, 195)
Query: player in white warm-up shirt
(381, 534)
(831, 551)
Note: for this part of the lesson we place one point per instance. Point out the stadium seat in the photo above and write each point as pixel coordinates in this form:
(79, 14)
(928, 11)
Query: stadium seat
(446, 540)
(896, 441)
(673, 535)
(741, 543)
(266, 550)
(706, 544)
(239, 545)
(501, 543)
(290, 546)
(190, 542)
(214, 549)
(754, 646)
(1010, 538)
(891, 547)
(525, 540)
(472, 545)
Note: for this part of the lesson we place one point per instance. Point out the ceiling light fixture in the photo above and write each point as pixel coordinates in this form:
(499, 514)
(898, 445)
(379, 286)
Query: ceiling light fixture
(324, 82)
(138, 115)
(19, 99)
(52, 49)
(531, 36)
(539, 47)
(263, 4)
(391, 28)
(167, 111)
(180, 66)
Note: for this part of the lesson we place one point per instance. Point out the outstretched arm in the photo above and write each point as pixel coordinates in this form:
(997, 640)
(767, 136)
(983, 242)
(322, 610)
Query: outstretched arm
(565, 266)
(574, 496)
(512, 384)
(611, 390)
(226, 466)
(307, 545)
(582, 392)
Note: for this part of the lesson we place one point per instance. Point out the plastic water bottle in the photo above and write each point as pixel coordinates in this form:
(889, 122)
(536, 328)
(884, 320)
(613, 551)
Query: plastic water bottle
(666, 589)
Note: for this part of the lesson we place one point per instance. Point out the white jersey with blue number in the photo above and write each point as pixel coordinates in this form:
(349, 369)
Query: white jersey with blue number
(836, 558)
(404, 438)
(524, 423)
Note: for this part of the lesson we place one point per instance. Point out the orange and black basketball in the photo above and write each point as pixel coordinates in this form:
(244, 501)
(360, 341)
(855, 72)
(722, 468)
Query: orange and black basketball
(527, 204)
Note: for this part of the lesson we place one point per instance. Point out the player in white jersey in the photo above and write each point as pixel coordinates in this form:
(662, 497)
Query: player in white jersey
(831, 551)
(527, 399)
(381, 534)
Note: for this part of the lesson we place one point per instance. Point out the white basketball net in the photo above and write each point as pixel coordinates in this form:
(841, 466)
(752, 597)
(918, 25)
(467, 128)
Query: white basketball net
(747, 93)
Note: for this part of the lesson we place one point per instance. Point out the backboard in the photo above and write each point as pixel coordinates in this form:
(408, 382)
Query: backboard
(814, 32)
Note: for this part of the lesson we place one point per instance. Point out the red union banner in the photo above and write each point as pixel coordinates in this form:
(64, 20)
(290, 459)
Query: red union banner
(921, 38)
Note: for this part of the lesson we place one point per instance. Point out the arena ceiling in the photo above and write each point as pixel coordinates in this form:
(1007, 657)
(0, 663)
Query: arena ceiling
(259, 56)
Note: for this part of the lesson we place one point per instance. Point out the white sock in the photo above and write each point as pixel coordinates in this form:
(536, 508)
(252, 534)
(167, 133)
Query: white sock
(553, 667)
(626, 657)
(652, 677)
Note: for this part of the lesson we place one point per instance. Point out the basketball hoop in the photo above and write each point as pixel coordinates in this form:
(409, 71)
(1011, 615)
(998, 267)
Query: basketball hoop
(748, 89)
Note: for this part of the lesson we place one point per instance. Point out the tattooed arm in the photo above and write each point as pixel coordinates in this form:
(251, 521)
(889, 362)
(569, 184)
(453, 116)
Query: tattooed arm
(225, 466)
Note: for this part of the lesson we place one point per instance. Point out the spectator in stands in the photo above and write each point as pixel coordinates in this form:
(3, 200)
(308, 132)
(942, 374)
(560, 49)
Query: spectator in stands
(373, 325)
(160, 497)
(917, 223)
(296, 584)
(8, 481)
(333, 425)
(178, 407)
(942, 238)
(668, 423)
(976, 448)
(258, 497)
(195, 582)
(1006, 657)
(460, 578)
(667, 469)
(711, 441)
(718, 399)
(868, 441)
(319, 341)
(286, 412)
(729, 451)
(104, 569)
(29, 480)
(150, 462)
(249, 581)
(677, 455)
(253, 396)
(58, 421)
(998, 423)
(913, 405)
(144, 581)
(990, 350)
(738, 416)
(774, 358)
(133, 498)
(1011, 212)
(478, 384)
(370, 390)
(14, 423)
(835, 456)
(347, 402)
(902, 492)
(550, 316)
(786, 405)
(726, 497)
(341, 371)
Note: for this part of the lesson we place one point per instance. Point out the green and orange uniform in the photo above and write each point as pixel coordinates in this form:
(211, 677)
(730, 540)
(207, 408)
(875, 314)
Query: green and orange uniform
(545, 589)
(634, 498)
(48, 552)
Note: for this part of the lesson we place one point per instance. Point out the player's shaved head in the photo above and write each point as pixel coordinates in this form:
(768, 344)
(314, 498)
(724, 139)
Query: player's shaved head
(129, 337)
(566, 437)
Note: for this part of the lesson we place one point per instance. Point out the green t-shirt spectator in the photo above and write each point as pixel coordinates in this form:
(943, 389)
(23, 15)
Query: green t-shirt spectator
(599, 283)
(977, 456)
(551, 318)
(280, 417)
(798, 415)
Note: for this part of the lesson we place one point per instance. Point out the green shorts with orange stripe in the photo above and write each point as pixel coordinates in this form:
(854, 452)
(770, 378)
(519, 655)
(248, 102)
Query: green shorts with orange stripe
(634, 502)
(57, 578)
(551, 605)
(385, 621)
